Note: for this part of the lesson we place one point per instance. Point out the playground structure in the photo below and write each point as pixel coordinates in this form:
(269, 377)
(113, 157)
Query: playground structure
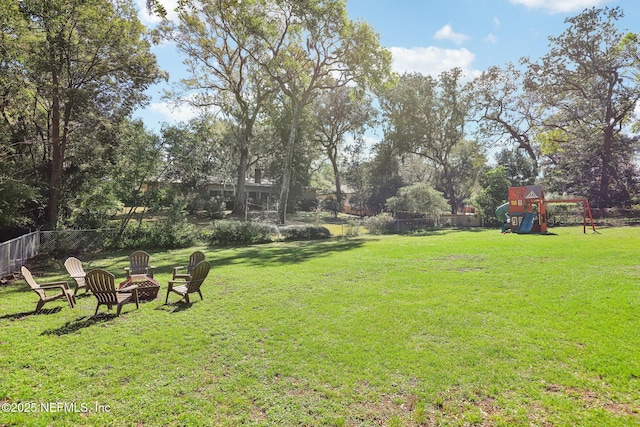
(527, 209)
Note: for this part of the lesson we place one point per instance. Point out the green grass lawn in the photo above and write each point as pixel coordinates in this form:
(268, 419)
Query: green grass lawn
(453, 328)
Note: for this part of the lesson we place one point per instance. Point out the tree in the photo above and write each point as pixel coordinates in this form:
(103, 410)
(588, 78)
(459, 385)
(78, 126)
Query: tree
(588, 83)
(312, 46)
(356, 176)
(195, 151)
(20, 201)
(89, 65)
(466, 165)
(520, 169)
(421, 199)
(505, 109)
(340, 111)
(381, 177)
(426, 117)
(222, 74)
(305, 155)
(494, 192)
(138, 163)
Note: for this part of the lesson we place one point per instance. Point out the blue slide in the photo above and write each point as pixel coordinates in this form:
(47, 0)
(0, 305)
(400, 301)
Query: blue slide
(527, 223)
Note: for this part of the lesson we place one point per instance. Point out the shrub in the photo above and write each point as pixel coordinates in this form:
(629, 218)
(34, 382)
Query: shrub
(171, 233)
(215, 207)
(212, 206)
(353, 228)
(239, 233)
(163, 234)
(304, 232)
(380, 224)
(330, 204)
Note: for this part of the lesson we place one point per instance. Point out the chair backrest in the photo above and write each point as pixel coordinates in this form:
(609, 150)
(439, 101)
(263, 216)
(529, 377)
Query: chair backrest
(75, 270)
(103, 285)
(28, 277)
(196, 258)
(198, 275)
(139, 261)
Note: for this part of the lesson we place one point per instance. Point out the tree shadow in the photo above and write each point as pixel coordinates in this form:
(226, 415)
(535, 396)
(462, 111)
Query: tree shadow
(80, 323)
(24, 314)
(287, 252)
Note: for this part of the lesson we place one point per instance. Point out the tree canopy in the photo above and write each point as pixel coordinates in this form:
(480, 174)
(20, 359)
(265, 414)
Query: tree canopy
(83, 66)
(283, 84)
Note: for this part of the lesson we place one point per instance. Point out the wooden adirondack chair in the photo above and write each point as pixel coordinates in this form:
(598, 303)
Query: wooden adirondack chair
(139, 264)
(196, 258)
(77, 273)
(103, 286)
(41, 288)
(192, 285)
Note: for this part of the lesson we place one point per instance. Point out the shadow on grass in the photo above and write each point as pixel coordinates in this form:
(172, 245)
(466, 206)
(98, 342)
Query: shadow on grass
(437, 232)
(80, 323)
(83, 295)
(16, 287)
(175, 307)
(44, 311)
(288, 252)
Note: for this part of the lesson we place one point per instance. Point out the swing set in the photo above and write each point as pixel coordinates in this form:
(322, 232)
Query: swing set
(528, 210)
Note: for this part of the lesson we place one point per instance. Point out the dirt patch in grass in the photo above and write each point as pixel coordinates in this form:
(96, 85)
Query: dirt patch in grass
(380, 412)
(591, 399)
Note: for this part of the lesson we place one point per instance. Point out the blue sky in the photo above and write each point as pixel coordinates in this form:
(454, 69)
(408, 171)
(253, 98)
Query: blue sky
(430, 36)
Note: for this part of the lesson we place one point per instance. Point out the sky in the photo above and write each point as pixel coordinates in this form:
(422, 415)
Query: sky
(426, 36)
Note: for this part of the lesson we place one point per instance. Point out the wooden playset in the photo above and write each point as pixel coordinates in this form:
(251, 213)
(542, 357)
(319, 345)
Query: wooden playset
(528, 209)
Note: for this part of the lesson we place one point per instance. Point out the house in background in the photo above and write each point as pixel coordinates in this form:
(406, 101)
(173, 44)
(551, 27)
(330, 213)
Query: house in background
(262, 194)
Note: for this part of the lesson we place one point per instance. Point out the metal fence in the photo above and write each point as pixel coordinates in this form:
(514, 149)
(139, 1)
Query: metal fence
(75, 240)
(14, 253)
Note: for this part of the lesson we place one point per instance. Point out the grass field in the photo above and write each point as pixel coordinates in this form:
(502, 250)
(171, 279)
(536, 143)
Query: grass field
(451, 328)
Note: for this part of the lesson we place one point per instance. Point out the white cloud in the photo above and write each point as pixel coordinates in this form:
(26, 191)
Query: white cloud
(496, 22)
(560, 6)
(149, 19)
(431, 60)
(491, 39)
(173, 114)
(447, 33)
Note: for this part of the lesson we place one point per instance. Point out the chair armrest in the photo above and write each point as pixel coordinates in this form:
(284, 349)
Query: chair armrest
(175, 269)
(128, 289)
(150, 270)
(173, 282)
(61, 284)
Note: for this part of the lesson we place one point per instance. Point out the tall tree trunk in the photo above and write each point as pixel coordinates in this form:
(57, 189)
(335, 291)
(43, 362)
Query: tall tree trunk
(239, 207)
(451, 190)
(524, 144)
(607, 147)
(288, 164)
(57, 158)
(606, 164)
(333, 156)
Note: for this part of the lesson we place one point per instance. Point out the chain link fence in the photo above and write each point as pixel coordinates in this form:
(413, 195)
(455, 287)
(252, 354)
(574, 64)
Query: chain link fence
(14, 253)
(75, 240)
